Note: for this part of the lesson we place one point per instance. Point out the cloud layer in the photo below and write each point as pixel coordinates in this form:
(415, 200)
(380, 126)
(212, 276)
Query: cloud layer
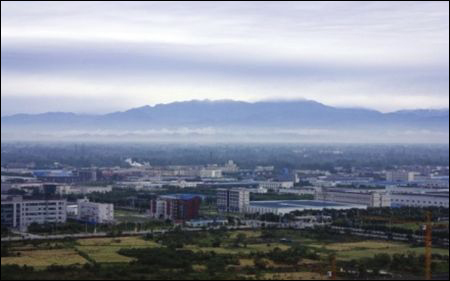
(104, 56)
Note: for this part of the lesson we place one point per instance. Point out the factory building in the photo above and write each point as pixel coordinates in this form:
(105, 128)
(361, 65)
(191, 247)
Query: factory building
(211, 172)
(276, 185)
(287, 206)
(400, 176)
(419, 200)
(97, 213)
(367, 197)
(20, 214)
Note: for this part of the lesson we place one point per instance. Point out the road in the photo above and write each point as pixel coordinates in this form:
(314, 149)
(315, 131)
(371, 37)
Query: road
(32, 237)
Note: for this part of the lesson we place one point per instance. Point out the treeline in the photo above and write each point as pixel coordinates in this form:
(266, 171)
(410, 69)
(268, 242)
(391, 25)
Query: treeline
(397, 264)
(75, 227)
(291, 256)
(385, 228)
(5, 250)
(247, 156)
(149, 264)
(167, 258)
(5, 231)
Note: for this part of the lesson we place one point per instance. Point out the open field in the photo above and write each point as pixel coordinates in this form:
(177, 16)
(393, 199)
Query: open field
(356, 250)
(44, 258)
(251, 248)
(130, 217)
(104, 250)
(291, 276)
(294, 276)
(247, 233)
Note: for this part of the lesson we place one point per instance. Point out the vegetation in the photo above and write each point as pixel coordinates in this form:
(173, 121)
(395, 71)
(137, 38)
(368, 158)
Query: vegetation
(75, 227)
(321, 157)
(214, 255)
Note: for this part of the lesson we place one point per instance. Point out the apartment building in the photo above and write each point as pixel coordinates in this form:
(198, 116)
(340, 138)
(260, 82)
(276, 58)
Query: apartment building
(233, 200)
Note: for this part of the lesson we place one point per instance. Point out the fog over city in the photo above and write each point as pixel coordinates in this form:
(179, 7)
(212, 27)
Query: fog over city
(225, 71)
(97, 57)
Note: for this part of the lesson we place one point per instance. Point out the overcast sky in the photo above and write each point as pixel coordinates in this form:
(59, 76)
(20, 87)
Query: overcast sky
(96, 57)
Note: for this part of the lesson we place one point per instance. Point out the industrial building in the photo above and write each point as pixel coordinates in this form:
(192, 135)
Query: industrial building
(20, 214)
(400, 176)
(211, 172)
(301, 191)
(287, 206)
(368, 197)
(177, 207)
(276, 185)
(233, 200)
(83, 190)
(419, 200)
(55, 176)
(97, 213)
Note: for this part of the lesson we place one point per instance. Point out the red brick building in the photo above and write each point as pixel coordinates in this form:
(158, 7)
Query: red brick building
(177, 207)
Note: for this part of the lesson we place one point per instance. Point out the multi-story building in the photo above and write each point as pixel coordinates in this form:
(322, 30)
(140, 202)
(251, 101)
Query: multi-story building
(55, 176)
(177, 207)
(301, 191)
(89, 189)
(282, 207)
(419, 200)
(400, 176)
(87, 175)
(211, 172)
(20, 214)
(369, 198)
(230, 167)
(276, 185)
(98, 213)
(233, 200)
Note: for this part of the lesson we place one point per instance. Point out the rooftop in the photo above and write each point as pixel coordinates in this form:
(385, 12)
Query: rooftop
(302, 204)
(181, 196)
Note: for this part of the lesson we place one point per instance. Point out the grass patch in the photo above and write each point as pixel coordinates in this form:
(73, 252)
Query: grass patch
(41, 259)
(130, 217)
(251, 248)
(294, 276)
(367, 249)
(247, 233)
(105, 250)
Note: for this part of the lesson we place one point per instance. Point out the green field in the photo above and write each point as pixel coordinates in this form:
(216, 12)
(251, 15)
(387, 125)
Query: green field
(252, 248)
(130, 217)
(365, 249)
(105, 251)
(41, 259)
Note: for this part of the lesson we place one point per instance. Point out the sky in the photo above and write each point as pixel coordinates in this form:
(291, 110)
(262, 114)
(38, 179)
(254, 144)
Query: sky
(98, 57)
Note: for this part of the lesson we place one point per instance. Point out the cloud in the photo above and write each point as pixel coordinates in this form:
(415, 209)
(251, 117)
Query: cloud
(383, 55)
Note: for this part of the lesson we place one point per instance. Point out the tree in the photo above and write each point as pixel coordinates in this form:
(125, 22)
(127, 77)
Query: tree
(261, 263)
(240, 239)
(5, 251)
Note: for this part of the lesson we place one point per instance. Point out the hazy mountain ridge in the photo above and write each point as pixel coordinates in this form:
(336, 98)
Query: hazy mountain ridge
(234, 114)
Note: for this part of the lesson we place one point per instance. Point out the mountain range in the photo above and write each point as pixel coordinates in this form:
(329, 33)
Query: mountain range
(233, 116)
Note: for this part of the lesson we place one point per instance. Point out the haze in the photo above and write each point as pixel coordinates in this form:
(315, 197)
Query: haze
(98, 57)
